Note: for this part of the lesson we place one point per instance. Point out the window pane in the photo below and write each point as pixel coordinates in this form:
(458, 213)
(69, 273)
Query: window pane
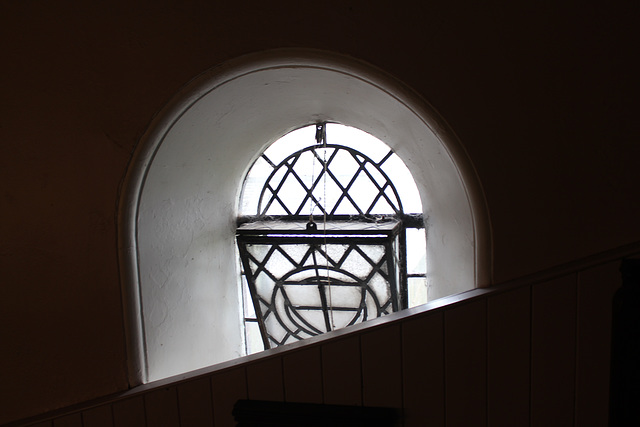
(249, 310)
(253, 337)
(399, 174)
(417, 291)
(253, 186)
(291, 142)
(416, 251)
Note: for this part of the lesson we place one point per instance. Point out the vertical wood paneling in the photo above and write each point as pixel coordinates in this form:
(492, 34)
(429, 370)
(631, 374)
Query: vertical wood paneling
(227, 388)
(382, 367)
(195, 403)
(423, 371)
(264, 379)
(303, 375)
(100, 416)
(161, 407)
(536, 354)
(465, 364)
(508, 358)
(596, 287)
(341, 371)
(129, 412)
(553, 351)
(72, 420)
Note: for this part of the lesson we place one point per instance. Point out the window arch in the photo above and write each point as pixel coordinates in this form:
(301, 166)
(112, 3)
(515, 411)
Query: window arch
(178, 205)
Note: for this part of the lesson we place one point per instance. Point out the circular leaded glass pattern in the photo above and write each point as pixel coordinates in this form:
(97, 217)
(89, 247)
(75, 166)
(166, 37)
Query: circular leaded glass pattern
(299, 297)
(306, 289)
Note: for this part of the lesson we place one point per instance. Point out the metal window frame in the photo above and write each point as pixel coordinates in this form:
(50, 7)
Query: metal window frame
(316, 247)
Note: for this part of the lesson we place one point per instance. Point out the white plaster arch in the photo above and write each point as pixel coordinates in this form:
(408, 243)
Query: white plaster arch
(180, 195)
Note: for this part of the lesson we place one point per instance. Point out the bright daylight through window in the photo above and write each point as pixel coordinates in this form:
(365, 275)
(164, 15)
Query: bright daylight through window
(330, 234)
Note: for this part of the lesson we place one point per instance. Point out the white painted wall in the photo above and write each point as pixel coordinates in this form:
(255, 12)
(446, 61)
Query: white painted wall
(182, 194)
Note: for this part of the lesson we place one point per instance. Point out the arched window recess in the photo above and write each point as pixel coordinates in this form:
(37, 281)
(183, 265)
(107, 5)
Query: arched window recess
(180, 198)
(322, 237)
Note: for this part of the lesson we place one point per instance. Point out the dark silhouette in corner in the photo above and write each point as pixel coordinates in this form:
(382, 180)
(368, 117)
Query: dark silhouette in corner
(624, 407)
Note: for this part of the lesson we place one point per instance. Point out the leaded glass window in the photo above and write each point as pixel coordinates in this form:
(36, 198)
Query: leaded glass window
(323, 235)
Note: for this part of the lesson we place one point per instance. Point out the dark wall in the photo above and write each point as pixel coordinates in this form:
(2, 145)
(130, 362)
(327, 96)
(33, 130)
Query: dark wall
(540, 95)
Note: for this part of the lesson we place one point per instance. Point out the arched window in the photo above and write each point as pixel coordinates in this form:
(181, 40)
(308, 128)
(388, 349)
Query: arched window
(179, 207)
(323, 235)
